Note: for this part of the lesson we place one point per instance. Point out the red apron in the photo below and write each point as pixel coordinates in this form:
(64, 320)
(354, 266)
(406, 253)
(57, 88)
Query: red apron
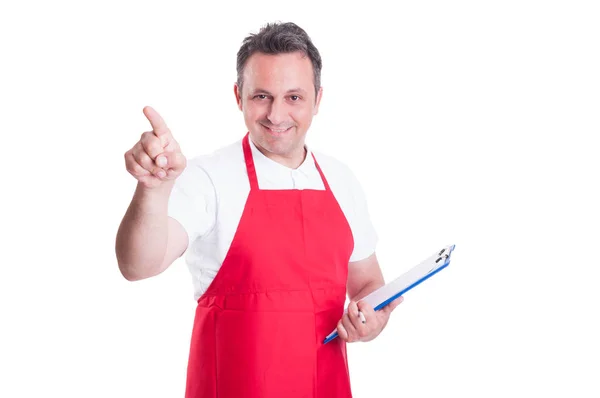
(259, 328)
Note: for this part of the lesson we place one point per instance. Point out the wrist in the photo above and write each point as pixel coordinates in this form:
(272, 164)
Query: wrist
(158, 195)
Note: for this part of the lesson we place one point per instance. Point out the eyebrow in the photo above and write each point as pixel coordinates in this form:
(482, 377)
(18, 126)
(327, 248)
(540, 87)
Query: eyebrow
(294, 90)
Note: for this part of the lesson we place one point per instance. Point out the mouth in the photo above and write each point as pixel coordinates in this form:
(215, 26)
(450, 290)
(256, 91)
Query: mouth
(276, 131)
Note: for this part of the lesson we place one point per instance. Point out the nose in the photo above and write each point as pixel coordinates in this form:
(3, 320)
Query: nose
(277, 113)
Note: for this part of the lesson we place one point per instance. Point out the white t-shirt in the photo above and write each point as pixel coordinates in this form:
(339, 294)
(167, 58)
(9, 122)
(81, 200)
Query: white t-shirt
(209, 196)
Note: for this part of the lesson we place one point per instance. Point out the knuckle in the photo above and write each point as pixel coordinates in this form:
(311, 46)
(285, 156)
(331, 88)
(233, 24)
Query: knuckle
(153, 147)
(143, 163)
(147, 140)
(128, 161)
(134, 155)
(132, 169)
(136, 149)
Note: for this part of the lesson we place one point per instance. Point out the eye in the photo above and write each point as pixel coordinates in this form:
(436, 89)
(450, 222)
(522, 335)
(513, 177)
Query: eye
(261, 96)
(294, 98)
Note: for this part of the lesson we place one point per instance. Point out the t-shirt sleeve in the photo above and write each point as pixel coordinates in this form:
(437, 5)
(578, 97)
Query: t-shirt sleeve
(365, 236)
(193, 202)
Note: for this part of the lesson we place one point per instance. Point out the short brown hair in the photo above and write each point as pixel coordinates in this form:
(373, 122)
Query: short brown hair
(278, 38)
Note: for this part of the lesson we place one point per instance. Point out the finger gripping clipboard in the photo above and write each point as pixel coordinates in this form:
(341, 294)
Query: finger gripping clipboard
(413, 277)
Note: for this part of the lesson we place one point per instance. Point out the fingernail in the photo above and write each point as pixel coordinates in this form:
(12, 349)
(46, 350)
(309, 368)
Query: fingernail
(362, 317)
(161, 161)
(161, 174)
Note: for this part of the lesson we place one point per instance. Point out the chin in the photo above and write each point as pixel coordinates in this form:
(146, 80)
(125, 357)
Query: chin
(277, 143)
(276, 148)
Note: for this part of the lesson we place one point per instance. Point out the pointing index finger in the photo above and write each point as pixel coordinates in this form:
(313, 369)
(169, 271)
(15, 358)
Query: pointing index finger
(158, 124)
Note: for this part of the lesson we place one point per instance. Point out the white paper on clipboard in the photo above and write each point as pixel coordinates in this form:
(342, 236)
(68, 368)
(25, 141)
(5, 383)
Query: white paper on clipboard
(419, 273)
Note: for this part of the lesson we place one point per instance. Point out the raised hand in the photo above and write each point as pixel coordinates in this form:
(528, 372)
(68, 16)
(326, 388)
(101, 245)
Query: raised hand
(156, 158)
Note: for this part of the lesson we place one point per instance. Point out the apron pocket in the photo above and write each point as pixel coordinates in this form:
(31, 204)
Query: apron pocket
(265, 354)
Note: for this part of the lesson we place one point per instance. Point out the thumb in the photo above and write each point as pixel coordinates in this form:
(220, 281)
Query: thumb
(174, 161)
(391, 306)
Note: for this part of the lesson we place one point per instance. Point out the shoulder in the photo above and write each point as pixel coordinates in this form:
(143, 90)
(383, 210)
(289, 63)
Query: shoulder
(336, 171)
(218, 163)
(344, 183)
(226, 154)
(222, 171)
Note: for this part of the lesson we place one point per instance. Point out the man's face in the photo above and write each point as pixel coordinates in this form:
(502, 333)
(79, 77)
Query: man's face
(278, 102)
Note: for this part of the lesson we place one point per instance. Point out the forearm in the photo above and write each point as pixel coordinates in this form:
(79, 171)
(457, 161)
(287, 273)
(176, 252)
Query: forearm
(367, 288)
(142, 237)
(364, 276)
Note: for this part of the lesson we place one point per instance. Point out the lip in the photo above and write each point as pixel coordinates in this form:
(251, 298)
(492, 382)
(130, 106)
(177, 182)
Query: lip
(276, 132)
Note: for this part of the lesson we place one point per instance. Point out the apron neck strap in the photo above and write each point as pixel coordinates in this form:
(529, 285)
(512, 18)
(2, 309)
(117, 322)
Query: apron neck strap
(250, 162)
(325, 183)
(252, 169)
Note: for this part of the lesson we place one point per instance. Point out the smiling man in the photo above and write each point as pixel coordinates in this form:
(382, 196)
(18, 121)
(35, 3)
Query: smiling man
(275, 235)
(279, 97)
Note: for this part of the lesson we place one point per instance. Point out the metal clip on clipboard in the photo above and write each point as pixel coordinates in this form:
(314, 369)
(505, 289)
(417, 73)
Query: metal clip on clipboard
(413, 277)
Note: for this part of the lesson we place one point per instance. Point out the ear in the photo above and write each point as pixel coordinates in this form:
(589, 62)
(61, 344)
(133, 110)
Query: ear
(238, 95)
(318, 101)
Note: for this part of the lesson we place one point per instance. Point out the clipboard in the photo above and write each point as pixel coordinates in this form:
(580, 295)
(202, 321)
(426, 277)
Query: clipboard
(413, 277)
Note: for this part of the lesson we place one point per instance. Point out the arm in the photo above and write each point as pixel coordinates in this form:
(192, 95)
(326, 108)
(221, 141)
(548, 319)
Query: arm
(364, 273)
(148, 241)
(364, 277)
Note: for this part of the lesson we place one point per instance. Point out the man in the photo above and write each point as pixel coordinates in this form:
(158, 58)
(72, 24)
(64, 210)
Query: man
(274, 235)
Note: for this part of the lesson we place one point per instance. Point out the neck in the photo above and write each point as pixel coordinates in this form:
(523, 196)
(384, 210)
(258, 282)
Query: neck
(292, 160)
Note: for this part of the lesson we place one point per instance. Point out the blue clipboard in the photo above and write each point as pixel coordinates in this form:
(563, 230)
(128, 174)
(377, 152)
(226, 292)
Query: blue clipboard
(413, 277)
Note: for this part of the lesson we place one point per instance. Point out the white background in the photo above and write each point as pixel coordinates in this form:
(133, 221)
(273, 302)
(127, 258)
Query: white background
(468, 123)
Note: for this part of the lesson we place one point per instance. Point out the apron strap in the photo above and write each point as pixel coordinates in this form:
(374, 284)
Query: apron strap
(250, 163)
(251, 169)
(325, 183)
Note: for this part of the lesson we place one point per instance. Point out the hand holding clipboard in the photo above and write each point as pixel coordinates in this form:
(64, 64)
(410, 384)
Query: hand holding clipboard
(413, 277)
